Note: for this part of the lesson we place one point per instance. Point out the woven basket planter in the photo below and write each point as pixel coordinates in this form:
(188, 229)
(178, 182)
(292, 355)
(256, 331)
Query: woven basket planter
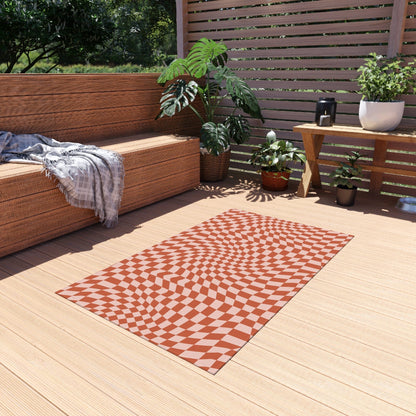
(215, 168)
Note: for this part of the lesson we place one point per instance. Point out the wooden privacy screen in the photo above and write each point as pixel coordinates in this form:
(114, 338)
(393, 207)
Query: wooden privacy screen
(86, 108)
(294, 52)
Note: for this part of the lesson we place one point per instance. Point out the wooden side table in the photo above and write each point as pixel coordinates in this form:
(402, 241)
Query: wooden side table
(313, 137)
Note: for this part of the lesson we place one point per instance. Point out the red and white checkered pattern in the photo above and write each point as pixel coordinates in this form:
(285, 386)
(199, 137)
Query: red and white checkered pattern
(205, 292)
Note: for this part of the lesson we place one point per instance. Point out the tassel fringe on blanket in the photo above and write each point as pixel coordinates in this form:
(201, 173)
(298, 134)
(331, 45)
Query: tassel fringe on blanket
(88, 176)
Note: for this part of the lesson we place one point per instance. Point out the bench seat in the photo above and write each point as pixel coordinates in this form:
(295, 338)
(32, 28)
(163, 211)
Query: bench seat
(33, 210)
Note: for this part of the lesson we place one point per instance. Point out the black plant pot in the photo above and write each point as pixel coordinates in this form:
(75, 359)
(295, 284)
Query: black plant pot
(346, 196)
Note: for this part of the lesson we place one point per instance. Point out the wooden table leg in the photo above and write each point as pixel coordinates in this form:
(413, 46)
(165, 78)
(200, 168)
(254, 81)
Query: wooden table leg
(379, 159)
(312, 144)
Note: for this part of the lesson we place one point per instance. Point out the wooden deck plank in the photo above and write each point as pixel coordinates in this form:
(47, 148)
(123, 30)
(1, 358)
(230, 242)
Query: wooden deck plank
(377, 281)
(348, 400)
(60, 384)
(373, 338)
(19, 398)
(344, 345)
(117, 381)
(360, 313)
(280, 392)
(134, 353)
(355, 376)
(353, 350)
(401, 305)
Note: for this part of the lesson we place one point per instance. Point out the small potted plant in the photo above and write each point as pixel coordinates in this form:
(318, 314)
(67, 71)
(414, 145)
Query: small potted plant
(345, 178)
(211, 80)
(382, 81)
(273, 157)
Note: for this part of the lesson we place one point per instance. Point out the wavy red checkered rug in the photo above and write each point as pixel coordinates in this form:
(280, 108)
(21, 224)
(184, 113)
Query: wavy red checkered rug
(205, 292)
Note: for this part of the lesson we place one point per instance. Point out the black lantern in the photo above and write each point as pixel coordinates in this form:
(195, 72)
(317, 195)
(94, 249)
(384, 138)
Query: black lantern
(326, 109)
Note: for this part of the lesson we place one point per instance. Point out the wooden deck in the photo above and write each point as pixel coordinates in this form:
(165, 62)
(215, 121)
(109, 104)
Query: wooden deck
(344, 345)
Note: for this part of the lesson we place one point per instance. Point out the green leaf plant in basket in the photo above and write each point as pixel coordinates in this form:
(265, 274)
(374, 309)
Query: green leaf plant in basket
(382, 82)
(346, 177)
(204, 74)
(273, 157)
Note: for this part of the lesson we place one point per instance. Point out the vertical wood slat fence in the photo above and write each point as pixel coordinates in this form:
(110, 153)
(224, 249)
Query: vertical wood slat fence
(293, 52)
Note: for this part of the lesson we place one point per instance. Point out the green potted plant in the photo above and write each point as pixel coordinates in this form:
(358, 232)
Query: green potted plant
(273, 157)
(212, 81)
(382, 81)
(346, 177)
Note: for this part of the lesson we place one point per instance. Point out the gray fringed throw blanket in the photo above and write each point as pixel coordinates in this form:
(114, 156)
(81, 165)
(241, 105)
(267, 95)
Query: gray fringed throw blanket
(88, 176)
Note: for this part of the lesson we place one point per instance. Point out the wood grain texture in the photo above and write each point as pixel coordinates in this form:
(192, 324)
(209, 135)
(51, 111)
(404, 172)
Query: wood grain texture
(292, 53)
(397, 27)
(379, 160)
(298, 30)
(344, 345)
(36, 211)
(276, 18)
(114, 112)
(284, 7)
(314, 135)
(182, 27)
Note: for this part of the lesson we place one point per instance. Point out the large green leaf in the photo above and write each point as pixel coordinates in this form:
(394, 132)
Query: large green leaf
(276, 154)
(177, 68)
(204, 52)
(211, 89)
(238, 127)
(347, 174)
(176, 97)
(241, 94)
(215, 137)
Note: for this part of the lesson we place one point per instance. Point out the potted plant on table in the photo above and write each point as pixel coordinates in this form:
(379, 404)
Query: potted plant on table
(273, 157)
(381, 82)
(206, 63)
(345, 178)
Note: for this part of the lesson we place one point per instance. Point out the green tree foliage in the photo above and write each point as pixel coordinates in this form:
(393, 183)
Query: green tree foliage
(145, 33)
(70, 32)
(39, 30)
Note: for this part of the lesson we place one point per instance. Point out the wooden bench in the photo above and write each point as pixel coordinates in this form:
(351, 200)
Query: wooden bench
(115, 112)
(313, 137)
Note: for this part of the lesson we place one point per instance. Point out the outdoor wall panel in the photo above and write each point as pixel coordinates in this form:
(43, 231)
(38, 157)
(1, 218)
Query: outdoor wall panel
(293, 52)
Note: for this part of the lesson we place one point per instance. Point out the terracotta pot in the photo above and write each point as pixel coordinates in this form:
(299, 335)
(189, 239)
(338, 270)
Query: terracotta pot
(214, 168)
(275, 181)
(346, 196)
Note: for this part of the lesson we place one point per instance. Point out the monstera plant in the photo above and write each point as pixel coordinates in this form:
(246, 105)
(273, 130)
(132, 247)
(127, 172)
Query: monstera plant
(204, 74)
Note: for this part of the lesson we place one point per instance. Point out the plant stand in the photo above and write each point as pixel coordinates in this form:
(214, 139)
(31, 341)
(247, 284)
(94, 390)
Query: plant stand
(313, 137)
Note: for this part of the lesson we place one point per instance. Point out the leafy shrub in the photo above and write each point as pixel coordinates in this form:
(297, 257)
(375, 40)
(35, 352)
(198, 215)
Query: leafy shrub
(383, 79)
(346, 175)
(274, 155)
(43, 67)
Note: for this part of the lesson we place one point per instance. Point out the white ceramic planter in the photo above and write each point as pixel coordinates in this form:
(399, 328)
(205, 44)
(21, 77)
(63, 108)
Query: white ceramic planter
(380, 116)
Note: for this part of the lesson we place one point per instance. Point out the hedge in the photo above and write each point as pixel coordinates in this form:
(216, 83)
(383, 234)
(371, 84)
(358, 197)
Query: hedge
(43, 67)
